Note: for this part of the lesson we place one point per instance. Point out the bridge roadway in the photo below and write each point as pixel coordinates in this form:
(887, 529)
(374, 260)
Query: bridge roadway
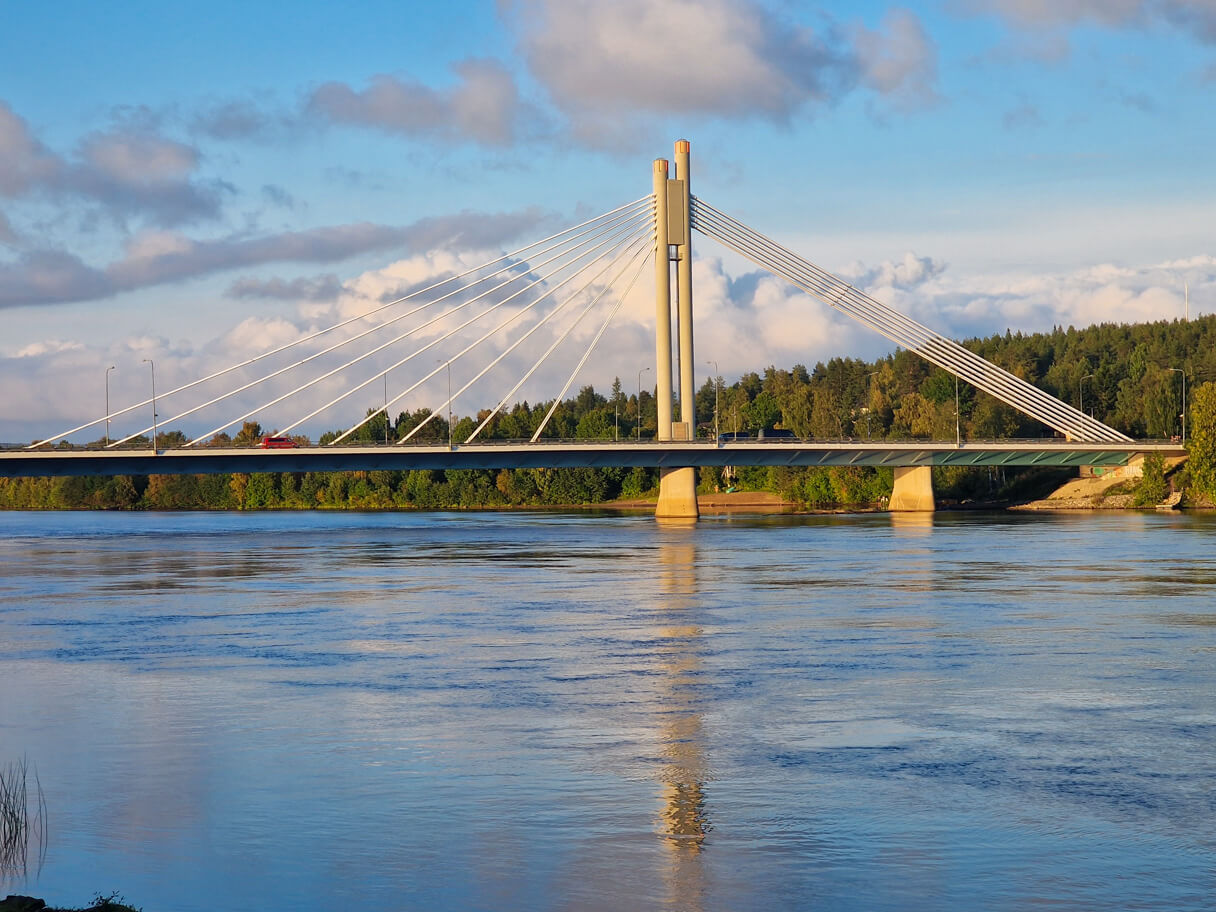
(575, 454)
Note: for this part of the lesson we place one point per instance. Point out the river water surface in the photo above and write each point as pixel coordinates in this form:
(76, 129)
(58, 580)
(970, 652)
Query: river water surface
(308, 711)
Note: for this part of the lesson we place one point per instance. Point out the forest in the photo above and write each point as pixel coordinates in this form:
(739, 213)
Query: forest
(1131, 376)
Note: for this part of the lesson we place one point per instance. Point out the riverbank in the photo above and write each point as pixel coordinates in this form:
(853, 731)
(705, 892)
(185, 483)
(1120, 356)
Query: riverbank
(111, 903)
(1112, 491)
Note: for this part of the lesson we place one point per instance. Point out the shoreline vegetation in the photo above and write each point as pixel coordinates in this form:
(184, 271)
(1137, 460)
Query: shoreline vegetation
(1125, 375)
(112, 903)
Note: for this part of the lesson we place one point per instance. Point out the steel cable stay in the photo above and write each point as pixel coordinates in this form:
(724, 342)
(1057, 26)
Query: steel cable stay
(374, 329)
(598, 231)
(937, 348)
(924, 343)
(590, 348)
(600, 244)
(932, 346)
(613, 242)
(512, 255)
(553, 347)
(635, 249)
(592, 245)
(979, 373)
(622, 254)
(900, 329)
(609, 245)
(614, 255)
(974, 369)
(613, 251)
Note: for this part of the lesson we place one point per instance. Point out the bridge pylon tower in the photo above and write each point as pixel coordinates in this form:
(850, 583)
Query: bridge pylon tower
(673, 243)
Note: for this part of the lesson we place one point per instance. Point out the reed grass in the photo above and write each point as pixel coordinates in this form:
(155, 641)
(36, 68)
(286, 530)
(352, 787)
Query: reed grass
(22, 821)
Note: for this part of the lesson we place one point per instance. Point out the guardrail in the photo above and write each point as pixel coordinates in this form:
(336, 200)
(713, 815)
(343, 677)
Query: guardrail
(606, 441)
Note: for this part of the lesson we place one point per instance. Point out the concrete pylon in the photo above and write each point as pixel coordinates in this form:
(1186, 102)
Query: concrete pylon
(913, 491)
(680, 235)
(662, 304)
(678, 486)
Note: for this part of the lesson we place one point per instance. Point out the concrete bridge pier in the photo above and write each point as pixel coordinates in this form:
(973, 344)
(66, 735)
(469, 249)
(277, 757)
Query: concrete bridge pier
(677, 494)
(913, 491)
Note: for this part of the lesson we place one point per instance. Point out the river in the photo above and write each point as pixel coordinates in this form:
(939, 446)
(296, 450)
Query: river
(318, 711)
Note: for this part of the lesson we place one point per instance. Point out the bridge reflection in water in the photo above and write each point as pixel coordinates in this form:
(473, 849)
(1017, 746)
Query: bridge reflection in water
(684, 818)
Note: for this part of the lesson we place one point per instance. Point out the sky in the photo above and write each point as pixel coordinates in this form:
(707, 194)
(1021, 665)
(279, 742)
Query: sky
(194, 183)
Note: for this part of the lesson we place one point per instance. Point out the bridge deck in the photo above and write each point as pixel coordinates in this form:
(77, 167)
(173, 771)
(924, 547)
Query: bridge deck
(597, 454)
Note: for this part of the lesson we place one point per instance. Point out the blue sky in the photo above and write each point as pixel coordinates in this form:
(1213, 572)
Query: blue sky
(169, 172)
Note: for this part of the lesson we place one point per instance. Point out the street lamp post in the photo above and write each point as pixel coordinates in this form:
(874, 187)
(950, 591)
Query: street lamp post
(152, 364)
(386, 408)
(1081, 393)
(642, 371)
(1183, 416)
(958, 433)
(870, 377)
(108, 369)
(451, 446)
(717, 388)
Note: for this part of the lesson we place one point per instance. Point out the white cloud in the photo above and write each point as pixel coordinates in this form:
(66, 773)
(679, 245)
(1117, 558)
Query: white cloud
(258, 334)
(963, 306)
(324, 287)
(605, 64)
(24, 161)
(129, 171)
(160, 257)
(908, 272)
(134, 159)
(47, 346)
(902, 62)
(483, 106)
(1196, 17)
(1064, 12)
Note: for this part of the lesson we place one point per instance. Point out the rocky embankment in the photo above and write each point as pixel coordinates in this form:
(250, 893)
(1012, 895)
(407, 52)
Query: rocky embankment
(1112, 491)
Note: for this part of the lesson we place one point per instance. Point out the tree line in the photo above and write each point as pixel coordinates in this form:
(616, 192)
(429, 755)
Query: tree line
(1129, 376)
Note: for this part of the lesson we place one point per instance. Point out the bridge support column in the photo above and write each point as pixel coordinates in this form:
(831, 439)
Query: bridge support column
(662, 305)
(680, 235)
(677, 486)
(913, 491)
(677, 494)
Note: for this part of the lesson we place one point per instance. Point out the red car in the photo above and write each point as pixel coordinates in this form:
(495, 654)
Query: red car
(277, 443)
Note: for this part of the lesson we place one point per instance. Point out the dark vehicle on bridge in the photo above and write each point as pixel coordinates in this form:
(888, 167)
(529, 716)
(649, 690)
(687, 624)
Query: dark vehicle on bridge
(277, 443)
(777, 434)
(732, 436)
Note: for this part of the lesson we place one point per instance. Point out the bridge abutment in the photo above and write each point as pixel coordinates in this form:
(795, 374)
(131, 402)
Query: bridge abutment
(913, 491)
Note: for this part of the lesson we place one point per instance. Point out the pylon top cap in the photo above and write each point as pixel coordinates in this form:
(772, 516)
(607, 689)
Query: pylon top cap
(660, 165)
(683, 145)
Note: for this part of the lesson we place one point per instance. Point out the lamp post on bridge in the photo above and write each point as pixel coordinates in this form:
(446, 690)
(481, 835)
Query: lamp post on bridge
(717, 387)
(958, 433)
(448, 364)
(1081, 394)
(870, 378)
(386, 421)
(152, 364)
(108, 369)
(642, 371)
(1180, 373)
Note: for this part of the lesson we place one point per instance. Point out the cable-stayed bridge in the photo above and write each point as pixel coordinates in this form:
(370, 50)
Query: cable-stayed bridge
(510, 317)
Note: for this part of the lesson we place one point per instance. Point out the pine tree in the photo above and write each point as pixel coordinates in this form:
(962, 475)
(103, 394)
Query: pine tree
(1202, 440)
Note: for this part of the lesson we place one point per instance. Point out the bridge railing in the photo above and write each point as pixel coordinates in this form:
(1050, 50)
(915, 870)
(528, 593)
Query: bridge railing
(626, 442)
